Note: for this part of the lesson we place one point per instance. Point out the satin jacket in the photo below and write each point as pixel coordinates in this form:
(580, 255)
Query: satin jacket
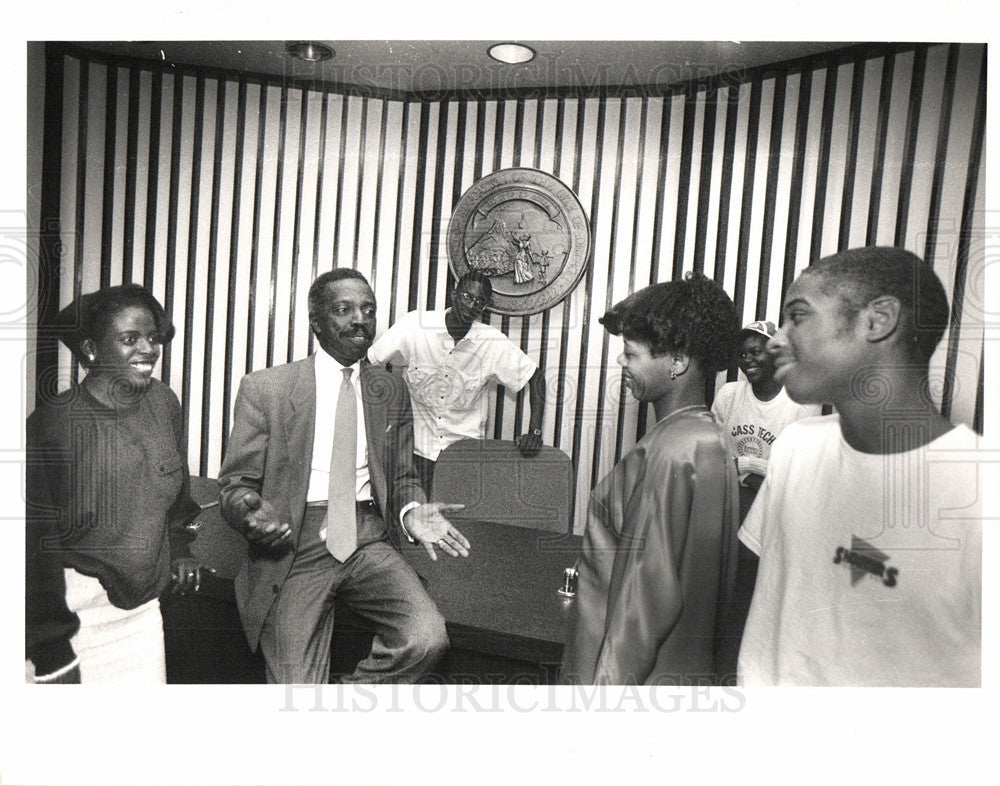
(659, 558)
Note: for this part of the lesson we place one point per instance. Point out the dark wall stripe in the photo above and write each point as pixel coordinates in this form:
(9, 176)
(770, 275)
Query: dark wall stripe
(581, 377)
(437, 218)
(362, 146)
(418, 212)
(966, 233)
(255, 238)
(341, 161)
(726, 184)
(910, 143)
(456, 185)
(108, 200)
(633, 256)
(851, 164)
(81, 188)
(689, 108)
(320, 176)
(50, 268)
(823, 168)
(881, 134)
(560, 398)
(977, 422)
(276, 228)
(379, 177)
(213, 258)
(522, 394)
(658, 218)
(477, 167)
(177, 109)
(153, 181)
(942, 151)
(501, 391)
(704, 177)
(191, 263)
(770, 197)
(300, 174)
(746, 206)
(131, 173)
(609, 299)
(661, 179)
(398, 232)
(234, 240)
(795, 198)
(318, 213)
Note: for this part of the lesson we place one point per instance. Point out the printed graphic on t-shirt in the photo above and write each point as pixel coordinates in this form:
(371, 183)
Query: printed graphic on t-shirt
(751, 439)
(442, 389)
(866, 560)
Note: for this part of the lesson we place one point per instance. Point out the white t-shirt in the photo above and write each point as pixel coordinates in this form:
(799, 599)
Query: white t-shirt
(449, 382)
(751, 425)
(870, 565)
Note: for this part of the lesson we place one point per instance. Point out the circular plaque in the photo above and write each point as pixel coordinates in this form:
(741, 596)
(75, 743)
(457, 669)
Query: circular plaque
(525, 230)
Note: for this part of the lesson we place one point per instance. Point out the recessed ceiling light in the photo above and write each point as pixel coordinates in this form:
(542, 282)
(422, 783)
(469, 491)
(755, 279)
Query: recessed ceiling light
(310, 51)
(512, 53)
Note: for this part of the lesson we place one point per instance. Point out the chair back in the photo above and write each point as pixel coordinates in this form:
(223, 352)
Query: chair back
(217, 545)
(496, 483)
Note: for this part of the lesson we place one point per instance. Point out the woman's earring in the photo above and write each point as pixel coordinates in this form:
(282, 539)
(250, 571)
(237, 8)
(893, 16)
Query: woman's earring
(90, 358)
(673, 375)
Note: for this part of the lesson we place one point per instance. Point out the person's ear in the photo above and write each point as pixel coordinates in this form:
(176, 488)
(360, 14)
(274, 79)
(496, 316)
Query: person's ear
(882, 318)
(678, 365)
(89, 349)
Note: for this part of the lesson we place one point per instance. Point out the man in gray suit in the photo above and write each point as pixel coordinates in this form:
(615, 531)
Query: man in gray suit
(277, 476)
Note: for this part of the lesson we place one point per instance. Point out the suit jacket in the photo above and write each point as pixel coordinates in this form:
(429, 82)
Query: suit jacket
(270, 449)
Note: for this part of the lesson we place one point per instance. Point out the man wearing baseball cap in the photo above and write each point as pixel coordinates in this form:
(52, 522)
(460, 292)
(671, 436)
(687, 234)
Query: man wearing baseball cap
(754, 410)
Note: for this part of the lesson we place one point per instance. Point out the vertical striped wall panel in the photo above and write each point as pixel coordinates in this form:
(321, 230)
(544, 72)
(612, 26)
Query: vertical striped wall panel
(226, 196)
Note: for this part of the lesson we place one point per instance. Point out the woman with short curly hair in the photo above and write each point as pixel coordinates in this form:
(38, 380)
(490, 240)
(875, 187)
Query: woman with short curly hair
(659, 549)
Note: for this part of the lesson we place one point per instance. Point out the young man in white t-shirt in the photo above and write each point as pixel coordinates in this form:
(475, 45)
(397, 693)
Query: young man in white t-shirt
(868, 525)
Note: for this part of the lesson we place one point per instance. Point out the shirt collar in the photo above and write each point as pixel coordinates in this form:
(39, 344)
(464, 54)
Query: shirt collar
(475, 327)
(328, 366)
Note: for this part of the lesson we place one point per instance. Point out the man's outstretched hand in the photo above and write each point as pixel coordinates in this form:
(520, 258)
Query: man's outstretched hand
(427, 523)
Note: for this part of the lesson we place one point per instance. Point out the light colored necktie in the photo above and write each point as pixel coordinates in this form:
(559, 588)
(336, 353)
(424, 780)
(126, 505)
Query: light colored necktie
(341, 520)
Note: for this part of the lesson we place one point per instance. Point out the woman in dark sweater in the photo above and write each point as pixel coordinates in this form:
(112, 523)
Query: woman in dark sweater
(107, 499)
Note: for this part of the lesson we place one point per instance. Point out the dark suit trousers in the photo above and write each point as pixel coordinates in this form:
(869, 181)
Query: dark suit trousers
(378, 585)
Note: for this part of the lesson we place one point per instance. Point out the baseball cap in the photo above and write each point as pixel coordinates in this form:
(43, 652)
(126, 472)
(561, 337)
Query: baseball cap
(766, 329)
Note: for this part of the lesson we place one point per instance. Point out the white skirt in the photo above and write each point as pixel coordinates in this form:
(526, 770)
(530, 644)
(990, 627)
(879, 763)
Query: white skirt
(115, 645)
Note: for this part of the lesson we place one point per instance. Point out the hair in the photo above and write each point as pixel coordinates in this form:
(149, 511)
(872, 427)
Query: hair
(477, 277)
(691, 316)
(88, 317)
(317, 290)
(861, 275)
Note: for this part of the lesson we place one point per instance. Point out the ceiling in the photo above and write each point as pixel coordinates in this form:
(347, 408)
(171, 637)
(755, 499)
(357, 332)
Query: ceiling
(447, 66)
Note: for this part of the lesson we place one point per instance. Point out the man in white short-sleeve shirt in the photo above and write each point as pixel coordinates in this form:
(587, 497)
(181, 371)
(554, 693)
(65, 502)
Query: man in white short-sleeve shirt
(453, 360)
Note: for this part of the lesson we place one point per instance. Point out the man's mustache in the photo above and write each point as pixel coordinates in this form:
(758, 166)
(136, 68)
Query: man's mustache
(358, 331)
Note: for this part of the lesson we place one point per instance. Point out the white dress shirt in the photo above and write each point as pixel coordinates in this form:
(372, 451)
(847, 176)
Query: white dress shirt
(329, 377)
